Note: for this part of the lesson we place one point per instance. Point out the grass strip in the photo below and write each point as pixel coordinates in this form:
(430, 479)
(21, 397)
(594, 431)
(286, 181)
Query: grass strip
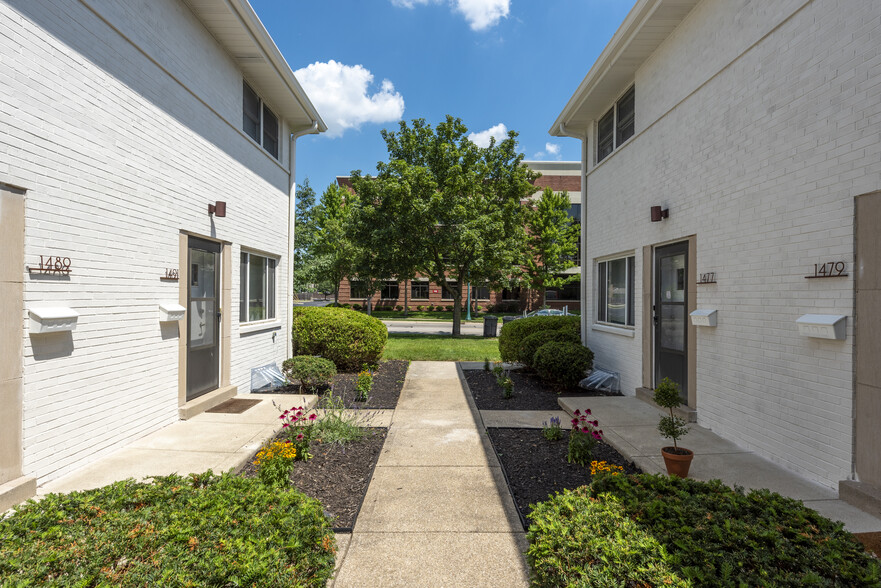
(419, 347)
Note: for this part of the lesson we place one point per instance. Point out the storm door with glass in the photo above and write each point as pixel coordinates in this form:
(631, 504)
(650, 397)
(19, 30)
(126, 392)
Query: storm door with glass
(203, 316)
(670, 315)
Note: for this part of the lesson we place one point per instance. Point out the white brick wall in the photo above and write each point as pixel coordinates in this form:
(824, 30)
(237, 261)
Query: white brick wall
(757, 143)
(118, 159)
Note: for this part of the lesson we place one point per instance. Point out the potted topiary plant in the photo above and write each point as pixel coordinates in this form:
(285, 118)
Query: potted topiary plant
(677, 459)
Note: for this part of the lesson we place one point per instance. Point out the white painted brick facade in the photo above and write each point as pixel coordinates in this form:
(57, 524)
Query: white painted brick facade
(757, 124)
(118, 158)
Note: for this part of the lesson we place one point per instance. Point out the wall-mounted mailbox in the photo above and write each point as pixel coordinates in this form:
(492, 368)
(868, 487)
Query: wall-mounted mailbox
(703, 317)
(171, 312)
(822, 326)
(52, 320)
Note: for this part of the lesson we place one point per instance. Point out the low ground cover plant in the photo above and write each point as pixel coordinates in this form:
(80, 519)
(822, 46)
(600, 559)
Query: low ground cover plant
(702, 534)
(364, 384)
(275, 461)
(348, 338)
(514, 332)
(562, 363)
(553, 431)
(201, 530)
(313, 373)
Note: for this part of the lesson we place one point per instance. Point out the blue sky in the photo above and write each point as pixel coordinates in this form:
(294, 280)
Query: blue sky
(366, 64)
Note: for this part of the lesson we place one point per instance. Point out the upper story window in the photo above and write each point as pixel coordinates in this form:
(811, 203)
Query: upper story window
(617, 125)
(258, 121)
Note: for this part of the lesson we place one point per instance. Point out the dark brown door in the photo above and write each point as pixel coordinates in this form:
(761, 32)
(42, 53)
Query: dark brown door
(203, 290)
(670, 315)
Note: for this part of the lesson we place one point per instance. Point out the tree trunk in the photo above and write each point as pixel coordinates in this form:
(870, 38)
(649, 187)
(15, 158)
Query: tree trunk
(336, 294)
(457, 314)
(406, 307)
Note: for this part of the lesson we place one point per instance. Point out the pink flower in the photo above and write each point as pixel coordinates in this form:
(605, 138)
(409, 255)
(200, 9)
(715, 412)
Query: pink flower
(300, 437)
(587, 411)
(577, 412)
(575, 422)
(295, 419)
(285, 425)
(313, 416)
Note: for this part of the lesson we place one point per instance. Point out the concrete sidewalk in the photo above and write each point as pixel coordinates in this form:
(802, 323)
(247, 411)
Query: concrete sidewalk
(438, 511)
(631, 427)
(207, 441)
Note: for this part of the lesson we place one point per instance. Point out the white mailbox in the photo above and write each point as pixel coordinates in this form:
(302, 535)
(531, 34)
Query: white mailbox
(822, 326)
(171, 312)
(703, 317)
(52, 320)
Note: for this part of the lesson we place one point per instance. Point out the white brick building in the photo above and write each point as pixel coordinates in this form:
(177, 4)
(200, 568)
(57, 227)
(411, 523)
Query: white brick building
(757, 125)
(120, 122)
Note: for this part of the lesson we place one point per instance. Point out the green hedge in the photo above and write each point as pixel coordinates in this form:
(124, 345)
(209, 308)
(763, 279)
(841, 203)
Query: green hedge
(348, 338)
(203, 530)
(312, 372)
(707, 533)
(562, 363)
(514, 332)
(530, 344)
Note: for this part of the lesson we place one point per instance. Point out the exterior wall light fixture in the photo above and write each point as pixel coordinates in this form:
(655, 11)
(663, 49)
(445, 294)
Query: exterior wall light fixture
(658, 215)
(218, 209)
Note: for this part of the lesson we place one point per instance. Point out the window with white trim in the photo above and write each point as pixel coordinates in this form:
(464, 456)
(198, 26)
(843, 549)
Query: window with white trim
(615, 293)
(617, 125)
(258, 121)
(419, 290)
(257, 287)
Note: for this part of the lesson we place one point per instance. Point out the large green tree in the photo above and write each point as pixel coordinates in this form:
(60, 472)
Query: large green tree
(451, 207)
(304, 239)
(551, 244)
(333, 249)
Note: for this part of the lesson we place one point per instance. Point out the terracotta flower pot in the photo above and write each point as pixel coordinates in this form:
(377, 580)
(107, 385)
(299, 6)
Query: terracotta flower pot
(677, 461)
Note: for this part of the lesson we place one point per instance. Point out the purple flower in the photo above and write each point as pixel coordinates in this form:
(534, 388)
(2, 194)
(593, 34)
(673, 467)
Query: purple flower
(577, 412)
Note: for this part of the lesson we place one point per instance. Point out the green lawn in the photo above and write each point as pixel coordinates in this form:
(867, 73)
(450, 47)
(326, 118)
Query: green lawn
(417, 347)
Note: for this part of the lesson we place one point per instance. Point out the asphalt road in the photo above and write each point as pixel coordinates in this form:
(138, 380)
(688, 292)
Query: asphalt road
(433, 327)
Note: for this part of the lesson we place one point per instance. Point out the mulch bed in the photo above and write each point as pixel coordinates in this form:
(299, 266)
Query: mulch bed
(388, 379)
(537, 468)
(337, 475)
(872, 542)
(530, 393)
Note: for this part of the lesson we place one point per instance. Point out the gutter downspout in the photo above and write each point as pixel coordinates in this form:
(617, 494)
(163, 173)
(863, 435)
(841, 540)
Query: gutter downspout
(584, 152)
(292, 216)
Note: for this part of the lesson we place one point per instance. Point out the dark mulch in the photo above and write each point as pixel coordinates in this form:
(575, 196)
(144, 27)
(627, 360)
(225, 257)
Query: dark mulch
(872, 542)
(530, 392)
(537, 468)
(337, 475)
(388, 379)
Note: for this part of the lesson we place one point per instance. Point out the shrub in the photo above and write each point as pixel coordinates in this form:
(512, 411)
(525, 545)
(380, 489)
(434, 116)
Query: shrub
(356, 307)
(531, 343)
(449, 308)
(347, 338)
(420, 308)
(399, 308)
(577, 542)
(709, 534)
(514, 332)
(431, 308)
(562, 364)
(312, 372)
(201, 530)
(275, 461)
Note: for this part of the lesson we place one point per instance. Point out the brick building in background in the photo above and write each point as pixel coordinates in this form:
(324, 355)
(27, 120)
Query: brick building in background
(559, 176)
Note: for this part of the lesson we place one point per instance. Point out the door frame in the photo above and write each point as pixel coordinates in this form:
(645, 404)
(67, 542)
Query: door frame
(648, 327)
(225, 306)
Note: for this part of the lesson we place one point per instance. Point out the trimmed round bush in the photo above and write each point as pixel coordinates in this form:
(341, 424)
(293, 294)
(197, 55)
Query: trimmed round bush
(530, 344)
(348, 338)
(562, 363)
(514, 332)
(200, 530)
(312, 372)
(708, 535)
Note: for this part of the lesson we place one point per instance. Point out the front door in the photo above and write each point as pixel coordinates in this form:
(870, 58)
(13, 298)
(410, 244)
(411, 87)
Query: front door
(203, 290)
(670, 315)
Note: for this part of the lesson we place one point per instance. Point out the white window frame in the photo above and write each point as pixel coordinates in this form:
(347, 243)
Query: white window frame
(602, 275)
(260, 140)
(616, 144)
(270, 286)
(426, 283)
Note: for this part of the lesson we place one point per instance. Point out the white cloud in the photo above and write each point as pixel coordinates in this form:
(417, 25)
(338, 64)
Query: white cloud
(480, 14)
(552, 148)
(481, 139)
(340, 93)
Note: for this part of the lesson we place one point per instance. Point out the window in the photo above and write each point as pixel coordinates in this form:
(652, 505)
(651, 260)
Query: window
(257, 296)
(390, 290)
(446, 295)
(615, 291)
(571, 291)
(574, 212)
(358, 289)
(617, 125)
(258, 121)
(480, 292)
(419, 290)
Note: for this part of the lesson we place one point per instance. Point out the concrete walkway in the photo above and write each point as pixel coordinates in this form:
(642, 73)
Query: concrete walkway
(437, 512)
(631, 427)
(207, 441)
